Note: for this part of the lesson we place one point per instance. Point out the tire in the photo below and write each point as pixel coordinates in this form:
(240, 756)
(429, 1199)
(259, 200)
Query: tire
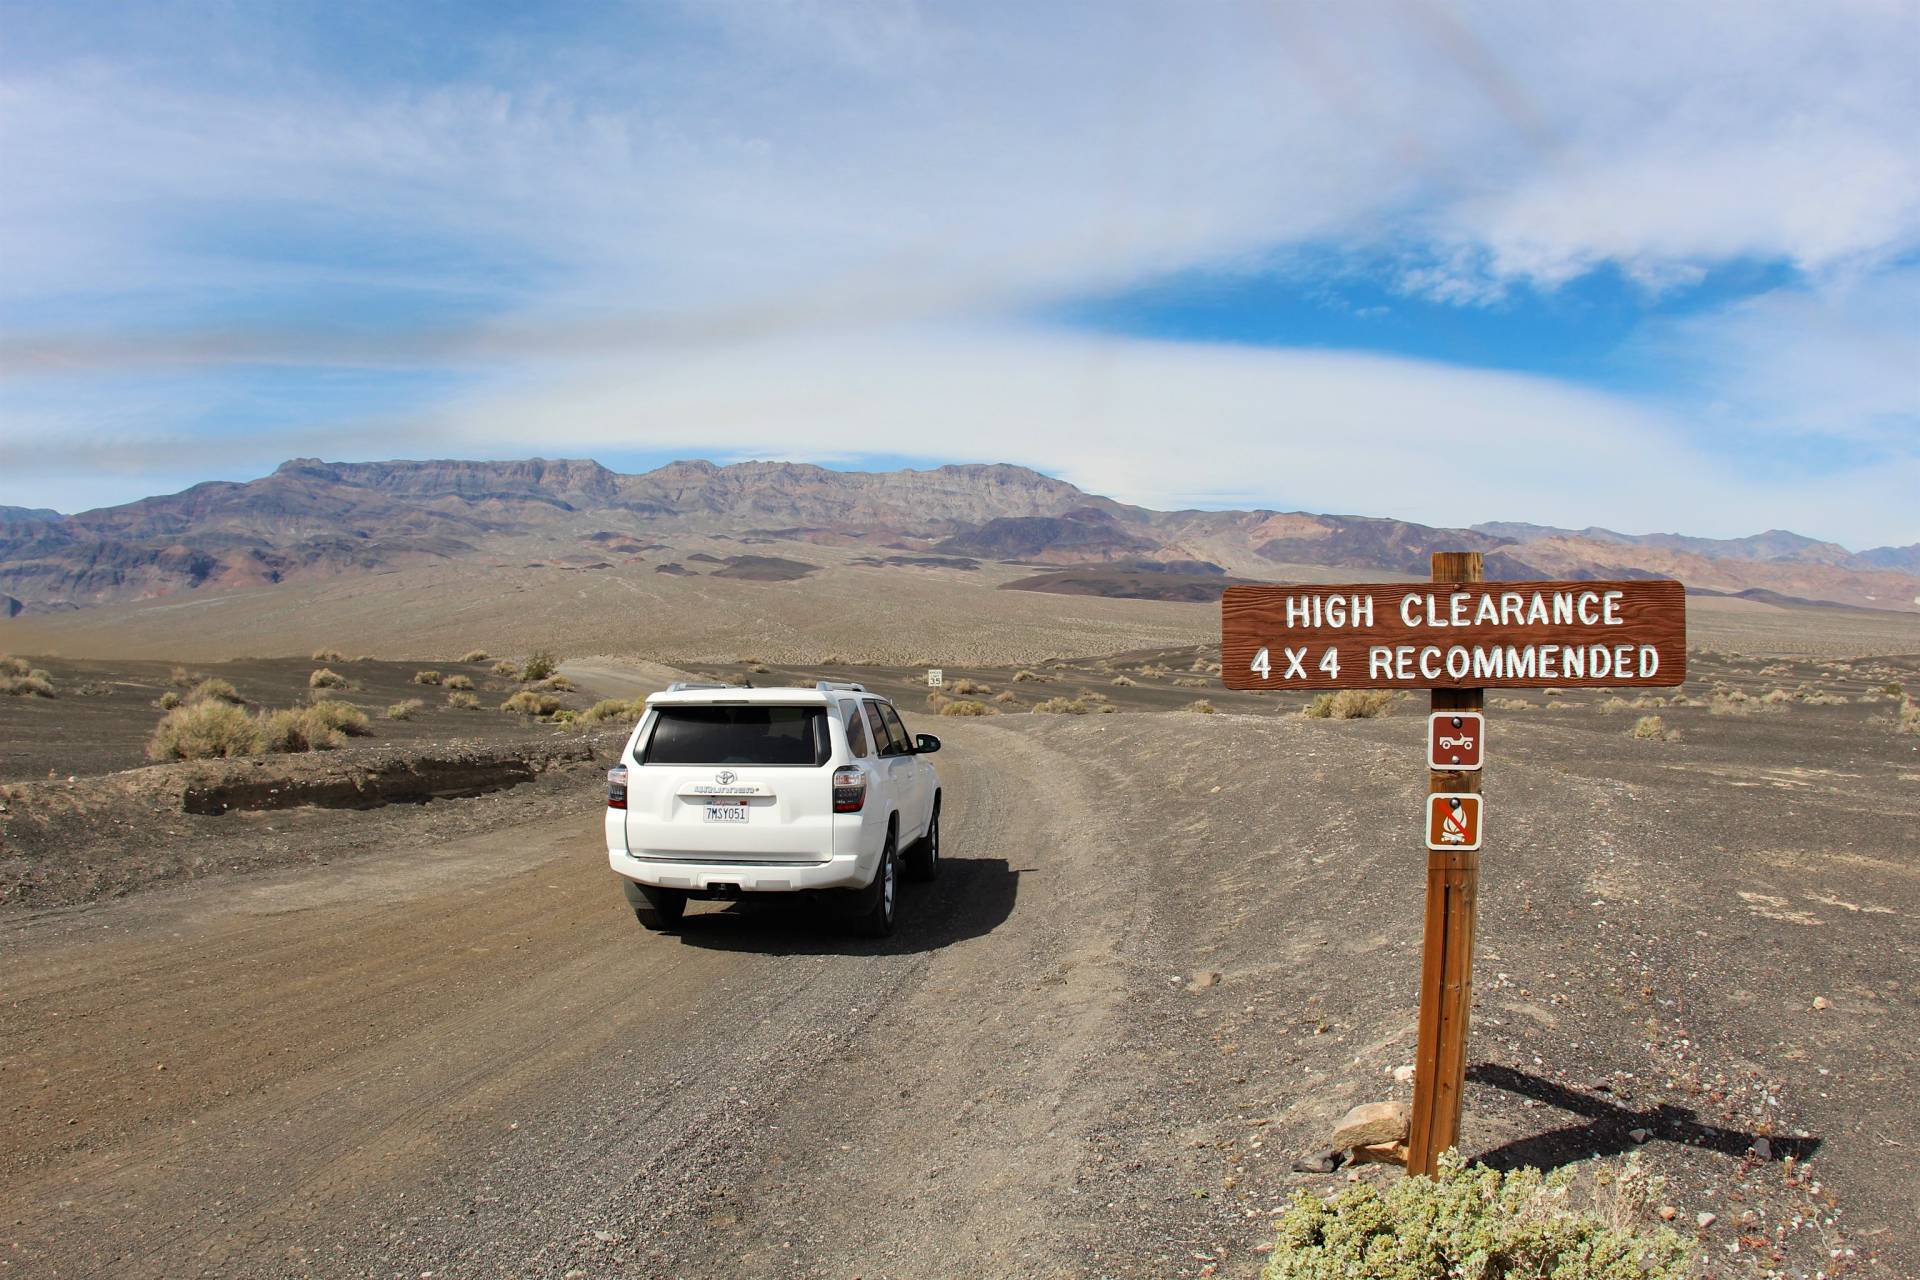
(923, 860)
(879, 902)
(656, 909)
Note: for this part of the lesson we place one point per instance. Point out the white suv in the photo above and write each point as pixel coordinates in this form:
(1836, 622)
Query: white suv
(725, 791)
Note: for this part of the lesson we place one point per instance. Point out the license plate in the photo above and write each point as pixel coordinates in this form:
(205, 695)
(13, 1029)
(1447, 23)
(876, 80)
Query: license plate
(727, 811)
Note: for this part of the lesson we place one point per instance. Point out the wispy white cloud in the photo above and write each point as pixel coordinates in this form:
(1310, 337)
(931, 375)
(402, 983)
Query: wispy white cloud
(695, 195)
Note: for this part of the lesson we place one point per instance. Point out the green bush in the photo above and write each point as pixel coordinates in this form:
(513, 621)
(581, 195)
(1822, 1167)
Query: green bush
(202, 731)
(326, 678)
(540, 664)
(527, 702)
(1349, 704)
(406, 710)
(459, 682)
(1476, 1223)
(427, 677)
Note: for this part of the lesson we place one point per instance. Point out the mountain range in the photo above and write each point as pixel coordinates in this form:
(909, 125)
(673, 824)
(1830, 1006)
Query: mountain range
(311, 519)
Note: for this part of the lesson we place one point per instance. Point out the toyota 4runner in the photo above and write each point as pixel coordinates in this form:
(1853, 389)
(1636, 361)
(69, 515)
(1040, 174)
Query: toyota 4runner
(724, 791)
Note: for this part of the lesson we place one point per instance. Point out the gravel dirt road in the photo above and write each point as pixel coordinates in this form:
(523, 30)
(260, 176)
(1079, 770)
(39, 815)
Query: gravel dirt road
(1167, 951)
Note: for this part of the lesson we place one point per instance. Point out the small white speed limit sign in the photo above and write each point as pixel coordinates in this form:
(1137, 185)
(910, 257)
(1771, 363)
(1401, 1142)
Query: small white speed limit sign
(935, 677)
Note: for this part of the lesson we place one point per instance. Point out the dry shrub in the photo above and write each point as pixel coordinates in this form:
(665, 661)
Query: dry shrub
(1775, 697)
(1154, 671)
(614, 709)
(555, 684)
(936, 700)
(343, 716)
(1349, 704)
(1909, 720)
(463, 701)
(329, 655)
(181, 678)
(215, 690)
(474, 655)
(1005, 696)
(967, 707)
(506, 670)
(427, 677)
(1735, 702)
(1652, 729)
(1203, 707)
(293, 730)
(1612, 705)
(759, 668)
(169, 700)
(1893, 689)
(1818, 699)
(326, 678)
(1509, 704)
(14, 666)
(459, 682)
(204, 731)
(539, 665)
(34, 684)
(1191, 682)
(1023, 675)
(1061, 707)
(406, 710)
(530, 702)
(566, 715)
(1125, 682)
(963, 686)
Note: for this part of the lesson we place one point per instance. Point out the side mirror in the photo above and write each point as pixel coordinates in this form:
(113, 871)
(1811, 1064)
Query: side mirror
(925, 744)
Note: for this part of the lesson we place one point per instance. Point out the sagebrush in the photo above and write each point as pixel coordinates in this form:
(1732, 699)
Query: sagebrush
(1349, 704)
(1473, 1222)
(204, 731)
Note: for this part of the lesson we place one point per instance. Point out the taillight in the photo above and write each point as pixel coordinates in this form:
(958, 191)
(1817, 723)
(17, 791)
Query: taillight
(617, 787)
(849, 790)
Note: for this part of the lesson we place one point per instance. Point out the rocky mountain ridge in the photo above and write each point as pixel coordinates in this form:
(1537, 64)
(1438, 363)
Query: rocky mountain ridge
(312, 518)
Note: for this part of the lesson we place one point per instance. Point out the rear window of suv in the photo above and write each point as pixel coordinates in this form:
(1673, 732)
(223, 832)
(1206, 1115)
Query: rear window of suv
(763, 735)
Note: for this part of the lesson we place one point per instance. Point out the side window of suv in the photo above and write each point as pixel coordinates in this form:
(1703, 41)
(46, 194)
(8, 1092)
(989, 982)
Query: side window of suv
(856, 729)
(897, 732)
(882, 742)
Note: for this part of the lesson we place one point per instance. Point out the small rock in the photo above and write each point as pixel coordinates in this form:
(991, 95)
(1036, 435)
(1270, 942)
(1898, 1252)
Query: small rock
(1762, 1149)
(1705, 1220)
(1821, 1002)
(1639, 1135)
(1319, 1162)
(1403, 1074)
(1370, 1124)
(1668, 1213)
(1201, 981)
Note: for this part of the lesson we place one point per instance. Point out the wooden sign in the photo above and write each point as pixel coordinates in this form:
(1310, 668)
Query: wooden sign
(1456, 740)
(1453, 821)
(1454, 635)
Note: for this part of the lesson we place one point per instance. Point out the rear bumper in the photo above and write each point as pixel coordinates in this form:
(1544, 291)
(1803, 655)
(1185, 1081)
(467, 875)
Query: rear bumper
(842, 871)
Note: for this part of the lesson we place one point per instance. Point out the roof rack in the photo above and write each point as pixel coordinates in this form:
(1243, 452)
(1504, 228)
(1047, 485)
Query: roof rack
(679, 685)
(851, 686)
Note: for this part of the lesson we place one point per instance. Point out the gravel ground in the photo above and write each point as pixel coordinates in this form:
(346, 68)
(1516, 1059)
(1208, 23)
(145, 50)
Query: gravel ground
(1167, 952)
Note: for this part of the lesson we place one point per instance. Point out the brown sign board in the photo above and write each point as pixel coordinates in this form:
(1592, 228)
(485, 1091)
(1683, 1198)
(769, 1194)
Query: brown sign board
(1454, 635)
(1453, 821)
(1456, 741)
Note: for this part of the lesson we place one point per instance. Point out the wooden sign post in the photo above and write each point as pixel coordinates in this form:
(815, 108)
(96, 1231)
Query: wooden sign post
(1456, 638)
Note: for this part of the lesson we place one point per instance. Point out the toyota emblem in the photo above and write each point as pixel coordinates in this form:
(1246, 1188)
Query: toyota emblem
(725, 777)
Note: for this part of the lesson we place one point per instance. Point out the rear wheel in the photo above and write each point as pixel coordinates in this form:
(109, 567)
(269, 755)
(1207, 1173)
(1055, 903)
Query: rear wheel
(657, 909)
(873, 917)
(923, 860)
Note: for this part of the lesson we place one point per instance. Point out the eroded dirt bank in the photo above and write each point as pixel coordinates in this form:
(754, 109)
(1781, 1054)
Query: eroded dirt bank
(1166, 952)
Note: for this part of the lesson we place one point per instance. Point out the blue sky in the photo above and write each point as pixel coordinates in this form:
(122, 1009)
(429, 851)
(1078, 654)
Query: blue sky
(1642, 265)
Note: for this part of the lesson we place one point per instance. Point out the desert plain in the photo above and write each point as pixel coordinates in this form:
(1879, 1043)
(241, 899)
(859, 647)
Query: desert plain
(382, 1010)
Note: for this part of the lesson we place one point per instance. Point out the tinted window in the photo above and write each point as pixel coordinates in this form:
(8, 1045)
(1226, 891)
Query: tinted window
(882, 744)
(896, 731)
(739, 735)
(856, 730)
